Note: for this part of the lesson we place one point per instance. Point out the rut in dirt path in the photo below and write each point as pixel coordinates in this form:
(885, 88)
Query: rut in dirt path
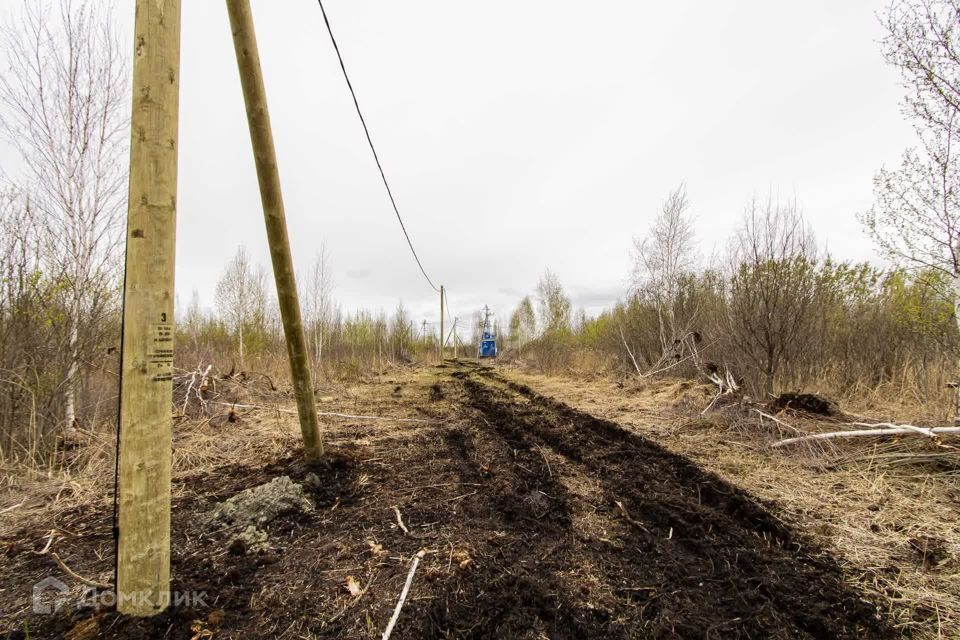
(702, 558)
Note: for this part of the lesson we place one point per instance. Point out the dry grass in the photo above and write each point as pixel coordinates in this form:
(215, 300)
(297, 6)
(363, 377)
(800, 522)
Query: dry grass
(81, 476)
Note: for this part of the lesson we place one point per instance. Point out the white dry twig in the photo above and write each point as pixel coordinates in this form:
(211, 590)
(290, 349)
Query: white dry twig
(782, 423)
(402, 526)
(403, 594)
(635, 365)
(887, 429)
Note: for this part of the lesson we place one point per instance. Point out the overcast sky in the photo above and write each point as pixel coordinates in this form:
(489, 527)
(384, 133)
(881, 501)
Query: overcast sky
(522, 135)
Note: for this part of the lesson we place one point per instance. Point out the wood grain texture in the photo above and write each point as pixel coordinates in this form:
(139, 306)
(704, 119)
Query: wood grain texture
(143, 547)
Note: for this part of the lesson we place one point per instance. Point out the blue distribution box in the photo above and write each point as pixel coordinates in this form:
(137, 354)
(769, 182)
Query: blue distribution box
(488, 349)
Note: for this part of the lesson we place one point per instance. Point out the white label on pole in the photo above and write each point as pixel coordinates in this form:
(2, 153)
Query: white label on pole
(160, 355)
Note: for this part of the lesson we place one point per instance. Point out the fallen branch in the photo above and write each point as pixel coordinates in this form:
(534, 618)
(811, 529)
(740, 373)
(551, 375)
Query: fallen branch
(400, 524)
(198, 380)
(680, 359)
(403, 594)
(626, 515)
(889, 425)
(675, 363)
(712, 402)
(635, 365)
(778, 421)
(76, 576)
(47, 551)
(888, 429)
(186, 396)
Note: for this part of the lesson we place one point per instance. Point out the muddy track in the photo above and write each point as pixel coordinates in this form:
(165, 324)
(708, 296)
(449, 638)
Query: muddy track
(688, 555)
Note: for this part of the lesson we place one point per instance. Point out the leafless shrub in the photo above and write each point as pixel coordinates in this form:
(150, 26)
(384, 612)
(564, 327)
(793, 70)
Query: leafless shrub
(63, 101)
(771, 287)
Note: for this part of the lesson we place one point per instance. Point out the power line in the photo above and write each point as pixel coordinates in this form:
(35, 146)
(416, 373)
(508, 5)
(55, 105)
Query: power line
(372, 148)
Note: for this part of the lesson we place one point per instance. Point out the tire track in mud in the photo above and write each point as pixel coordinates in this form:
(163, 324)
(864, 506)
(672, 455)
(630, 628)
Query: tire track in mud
(523, 517)
(707, 560)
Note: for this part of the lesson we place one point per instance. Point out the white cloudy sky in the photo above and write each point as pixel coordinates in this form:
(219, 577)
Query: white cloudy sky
(521, 135)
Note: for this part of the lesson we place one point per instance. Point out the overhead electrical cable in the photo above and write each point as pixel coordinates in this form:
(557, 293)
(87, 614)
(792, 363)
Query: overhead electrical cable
(373, 149)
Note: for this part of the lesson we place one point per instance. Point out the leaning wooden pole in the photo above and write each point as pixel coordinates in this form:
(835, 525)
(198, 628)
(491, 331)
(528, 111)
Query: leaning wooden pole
(268, 175)
(146, 417)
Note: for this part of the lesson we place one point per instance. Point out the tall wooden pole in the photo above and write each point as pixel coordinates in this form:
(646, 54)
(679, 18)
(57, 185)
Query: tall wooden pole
(455, 338)
(442, 335)
(268, 175)
(146, 418)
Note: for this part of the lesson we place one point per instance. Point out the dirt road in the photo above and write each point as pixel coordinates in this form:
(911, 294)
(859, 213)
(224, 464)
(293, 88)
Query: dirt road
(686, 555)
(539, 521)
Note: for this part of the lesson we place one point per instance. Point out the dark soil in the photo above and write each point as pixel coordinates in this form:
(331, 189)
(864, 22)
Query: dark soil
(539, 521)
(810, 403)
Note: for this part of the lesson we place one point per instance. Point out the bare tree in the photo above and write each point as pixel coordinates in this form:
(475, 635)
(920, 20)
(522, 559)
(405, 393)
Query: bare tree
(916, 217)
(923, 42)
(64, 109)
(664, 259)
(241, 297)
(772, 286)
(318, 304)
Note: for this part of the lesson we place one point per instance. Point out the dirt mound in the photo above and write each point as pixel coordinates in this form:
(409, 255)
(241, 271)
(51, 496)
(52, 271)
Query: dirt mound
(806, 403)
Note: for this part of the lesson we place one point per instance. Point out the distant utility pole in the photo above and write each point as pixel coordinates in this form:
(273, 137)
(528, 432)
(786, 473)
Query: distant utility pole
(442, 336)
(455, 338)
(143, 522)
(268, 175)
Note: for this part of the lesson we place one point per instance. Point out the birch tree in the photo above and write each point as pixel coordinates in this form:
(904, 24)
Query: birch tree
(664, 258)
(916, 216)
(63, 107)
(318, 304)
(241, 298)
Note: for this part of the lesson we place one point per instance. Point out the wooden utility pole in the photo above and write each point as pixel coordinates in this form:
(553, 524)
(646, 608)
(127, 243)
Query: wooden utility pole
(455, 338)
(146, 419)
(268, 175)
(442, 337)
